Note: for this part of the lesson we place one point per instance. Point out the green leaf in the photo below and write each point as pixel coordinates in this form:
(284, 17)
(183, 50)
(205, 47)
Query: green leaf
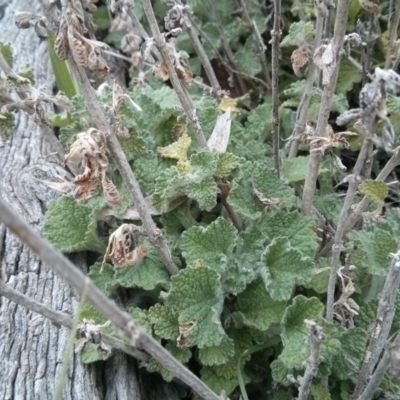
(346, 362)
(7, 121)
(92, 352)
(247, 60)
(349, 75)
(259, 122)
(283, 266)
(71, 227)
(227, 162)
(105, 280)
(148, 168)
(373, 249)
(183, 355)
(101, 17)
(242, 198)
(299, 33)
(210, 244)
(204, 163)
(27, 73)
(204, 192)
(294, 332)
(245, 262)
(197, 296)
(217, 355)
(218, 384)
(376, 191)
(176, 150)
(329, 206)
(295, 169)
(280, 372)
(147, 272)
(320, 392)
(165, 321)
(299, 229)
(142, 318)
(90, 312)
(256, 309)
(6, 52)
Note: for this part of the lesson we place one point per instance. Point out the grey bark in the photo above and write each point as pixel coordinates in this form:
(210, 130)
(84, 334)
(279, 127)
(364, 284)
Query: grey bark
(31, 348)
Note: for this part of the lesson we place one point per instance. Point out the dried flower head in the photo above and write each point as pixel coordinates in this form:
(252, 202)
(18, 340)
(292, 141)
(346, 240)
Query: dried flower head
(299, 59)
(119, 250)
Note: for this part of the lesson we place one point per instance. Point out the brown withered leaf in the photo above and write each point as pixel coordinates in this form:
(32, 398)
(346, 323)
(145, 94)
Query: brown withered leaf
(161, 72)
(110, 192)
(177, 131)
(265, 201)
(184, 74)
(184, 329)
(61, 46)
(119, 247)
(78, 50)
(299, 59)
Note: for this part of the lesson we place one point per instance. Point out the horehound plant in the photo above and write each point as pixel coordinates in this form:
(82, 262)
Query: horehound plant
(255, 207)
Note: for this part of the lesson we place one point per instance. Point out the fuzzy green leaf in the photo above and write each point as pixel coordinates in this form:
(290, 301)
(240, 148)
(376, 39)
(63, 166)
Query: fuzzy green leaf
(256, 309)
(227, 162)
(217, 355)
(204, 192)
(165, 321)
(320, 392)
(247, 60)
(299, 33)
(92, 352)
(349, 75)
(147, 273)
(218, 384)
(197, 296)
(242, 198)
(7, 121)
(373, 249)
(183, 355)
(353, 342)
(294, 332)
(90, 312)
(105, 280)
(295, 169)
(204, 163)
(283, 266)
(71, 227)
(300, 230)
(376, 191)
(245, 263)
(210, 244)
(280, 372)
(259, 122)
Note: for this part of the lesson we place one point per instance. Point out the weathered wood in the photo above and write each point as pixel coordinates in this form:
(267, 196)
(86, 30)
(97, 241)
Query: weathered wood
(31, 348)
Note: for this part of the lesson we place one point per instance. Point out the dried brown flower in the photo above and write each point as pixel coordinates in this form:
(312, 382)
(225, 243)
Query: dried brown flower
(299, 59)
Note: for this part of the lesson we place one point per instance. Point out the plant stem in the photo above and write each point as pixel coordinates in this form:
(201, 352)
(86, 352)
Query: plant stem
(276, 35)
(362, 206)
(326, 101)
(61, 319)
(315, 336)
(344, 214)
(302, 110)
(189, 28)
(189, 110)
(394, 19)
(226, 45)
(76, 278)
(383, 322)
(260, 47)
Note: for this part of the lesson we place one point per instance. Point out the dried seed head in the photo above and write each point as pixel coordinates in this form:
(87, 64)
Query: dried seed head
(61, 46)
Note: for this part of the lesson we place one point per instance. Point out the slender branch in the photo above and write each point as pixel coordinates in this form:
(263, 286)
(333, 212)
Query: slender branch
(380, 371)
(381, 328)
(75, 277)
(161, 44)
(394, 19)
(260, 47)
(315, 336)
(344, 214)
(193, 35)
(362, 206)
(276, 35)
(302, 110)
(225, 43)
(61, 319)
(326, 101)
